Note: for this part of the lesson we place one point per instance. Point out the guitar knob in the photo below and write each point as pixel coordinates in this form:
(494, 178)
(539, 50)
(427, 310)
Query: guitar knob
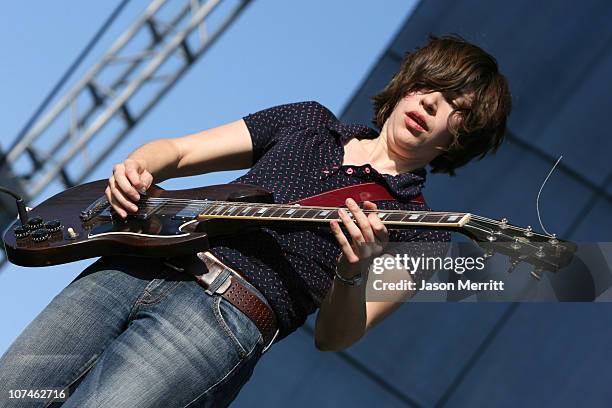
(515, 245)
(504, 223)
(488, 254)
(39, 235)
(72, 234)
(529, 231)
(21, 232)
(35, 223)
(540, 252)
(53, 226)
(537, 273)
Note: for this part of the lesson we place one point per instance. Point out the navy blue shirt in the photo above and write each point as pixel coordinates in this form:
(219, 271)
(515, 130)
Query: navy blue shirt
(298, 150)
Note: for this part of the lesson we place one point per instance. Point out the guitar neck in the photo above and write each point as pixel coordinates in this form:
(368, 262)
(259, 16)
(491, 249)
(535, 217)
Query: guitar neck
(279, 213)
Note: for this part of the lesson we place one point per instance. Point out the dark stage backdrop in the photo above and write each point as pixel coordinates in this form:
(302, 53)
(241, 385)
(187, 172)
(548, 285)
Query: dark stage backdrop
(557, 56)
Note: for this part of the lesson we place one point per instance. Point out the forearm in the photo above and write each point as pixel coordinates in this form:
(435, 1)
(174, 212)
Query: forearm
(226, 147)
(342, 318)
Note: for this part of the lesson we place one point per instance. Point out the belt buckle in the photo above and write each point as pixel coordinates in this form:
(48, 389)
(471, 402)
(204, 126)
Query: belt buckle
(214, 270)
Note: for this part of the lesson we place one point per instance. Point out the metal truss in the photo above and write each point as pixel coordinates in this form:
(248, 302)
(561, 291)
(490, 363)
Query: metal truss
(137, 70)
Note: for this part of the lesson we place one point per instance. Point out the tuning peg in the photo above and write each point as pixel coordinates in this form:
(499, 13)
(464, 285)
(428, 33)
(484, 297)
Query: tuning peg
(504, 223)
(537, 273)
(553, 240)
(528, 231)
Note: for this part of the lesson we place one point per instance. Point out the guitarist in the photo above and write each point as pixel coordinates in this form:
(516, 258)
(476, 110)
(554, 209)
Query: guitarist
(131, 332)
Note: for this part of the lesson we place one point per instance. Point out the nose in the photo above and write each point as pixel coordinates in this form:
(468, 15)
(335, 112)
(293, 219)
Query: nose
(429, 103)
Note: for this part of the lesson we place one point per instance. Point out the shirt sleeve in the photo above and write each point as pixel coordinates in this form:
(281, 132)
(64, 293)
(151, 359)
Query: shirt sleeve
(268, 125)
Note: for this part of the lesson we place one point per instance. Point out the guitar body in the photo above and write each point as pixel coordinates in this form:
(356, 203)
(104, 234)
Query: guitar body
(157, 234)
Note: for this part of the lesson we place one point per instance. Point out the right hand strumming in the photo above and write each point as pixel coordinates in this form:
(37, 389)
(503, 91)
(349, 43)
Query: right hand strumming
(130, 179)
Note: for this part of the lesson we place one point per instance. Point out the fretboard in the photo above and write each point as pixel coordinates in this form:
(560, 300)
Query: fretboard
(297, 213)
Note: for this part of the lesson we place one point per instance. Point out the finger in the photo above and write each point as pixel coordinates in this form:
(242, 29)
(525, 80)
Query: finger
(345, 246)
(361, 219)
(368, 205)
(351, 227)
(113, 203)
(124, 184)
(132, 171)
(379, 229)
(119, 198)
(147, 179)
(358, 242)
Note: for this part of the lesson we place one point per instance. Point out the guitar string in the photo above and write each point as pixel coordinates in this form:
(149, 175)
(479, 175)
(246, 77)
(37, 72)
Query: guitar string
(525, 243)
(180, 203)
(286, 206)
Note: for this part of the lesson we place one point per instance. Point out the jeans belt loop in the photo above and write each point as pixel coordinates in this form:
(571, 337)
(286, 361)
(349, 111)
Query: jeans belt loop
(220, 282)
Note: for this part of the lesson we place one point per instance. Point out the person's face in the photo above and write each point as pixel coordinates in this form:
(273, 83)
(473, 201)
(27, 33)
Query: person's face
(418, 124)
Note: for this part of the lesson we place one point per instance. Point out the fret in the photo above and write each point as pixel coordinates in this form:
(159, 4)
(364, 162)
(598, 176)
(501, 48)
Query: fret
(291, 211)
(432, 218)
(190, 211)
(245, 210)
(276, 212)
(232, 209)
(332, 215)
(323, 214)
(260, 211)
(218, 209)
(225, 210)
(396, 217)
(250, 212)
(300, 213)
(213, 209)
(311, 213)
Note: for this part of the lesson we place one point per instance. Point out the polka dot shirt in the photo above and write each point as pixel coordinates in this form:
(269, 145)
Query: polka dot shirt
(298, 152)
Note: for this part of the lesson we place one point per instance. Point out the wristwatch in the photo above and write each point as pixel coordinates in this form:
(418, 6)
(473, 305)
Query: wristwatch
(356, 280)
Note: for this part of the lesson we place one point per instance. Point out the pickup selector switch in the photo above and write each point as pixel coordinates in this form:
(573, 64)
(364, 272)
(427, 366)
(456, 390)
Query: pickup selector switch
(39, 235)
(53, 226)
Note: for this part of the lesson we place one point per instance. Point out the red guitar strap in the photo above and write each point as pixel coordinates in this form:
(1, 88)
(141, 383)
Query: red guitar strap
(360, 192)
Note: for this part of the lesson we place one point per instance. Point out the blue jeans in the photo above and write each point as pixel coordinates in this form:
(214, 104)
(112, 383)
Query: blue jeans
(132, 332)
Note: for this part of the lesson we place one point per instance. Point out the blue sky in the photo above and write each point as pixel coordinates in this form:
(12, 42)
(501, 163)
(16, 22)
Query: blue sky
(276, 52)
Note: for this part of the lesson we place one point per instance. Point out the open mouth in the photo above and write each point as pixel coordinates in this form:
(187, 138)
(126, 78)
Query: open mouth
(416, 121)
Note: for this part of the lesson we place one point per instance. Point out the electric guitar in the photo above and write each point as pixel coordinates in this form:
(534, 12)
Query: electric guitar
(79, 223)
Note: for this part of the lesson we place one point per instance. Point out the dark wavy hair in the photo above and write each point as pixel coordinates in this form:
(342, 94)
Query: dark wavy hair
(453, 66)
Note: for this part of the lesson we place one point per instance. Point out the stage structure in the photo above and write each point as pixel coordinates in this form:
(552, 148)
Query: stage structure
(117, 92)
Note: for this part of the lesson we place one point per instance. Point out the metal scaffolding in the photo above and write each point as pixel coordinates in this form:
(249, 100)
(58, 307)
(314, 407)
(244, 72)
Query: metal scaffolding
(113, 90)
(111, 97)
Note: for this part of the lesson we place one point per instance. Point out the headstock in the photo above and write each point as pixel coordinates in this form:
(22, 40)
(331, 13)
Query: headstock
(544, 252)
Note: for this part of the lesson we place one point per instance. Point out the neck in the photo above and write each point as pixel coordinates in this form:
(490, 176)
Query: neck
(384, 157)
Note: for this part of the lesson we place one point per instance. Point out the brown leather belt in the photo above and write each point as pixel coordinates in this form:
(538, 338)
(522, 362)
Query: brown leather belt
(221, 279)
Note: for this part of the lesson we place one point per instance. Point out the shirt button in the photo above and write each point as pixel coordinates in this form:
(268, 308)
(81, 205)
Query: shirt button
(349, 171)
